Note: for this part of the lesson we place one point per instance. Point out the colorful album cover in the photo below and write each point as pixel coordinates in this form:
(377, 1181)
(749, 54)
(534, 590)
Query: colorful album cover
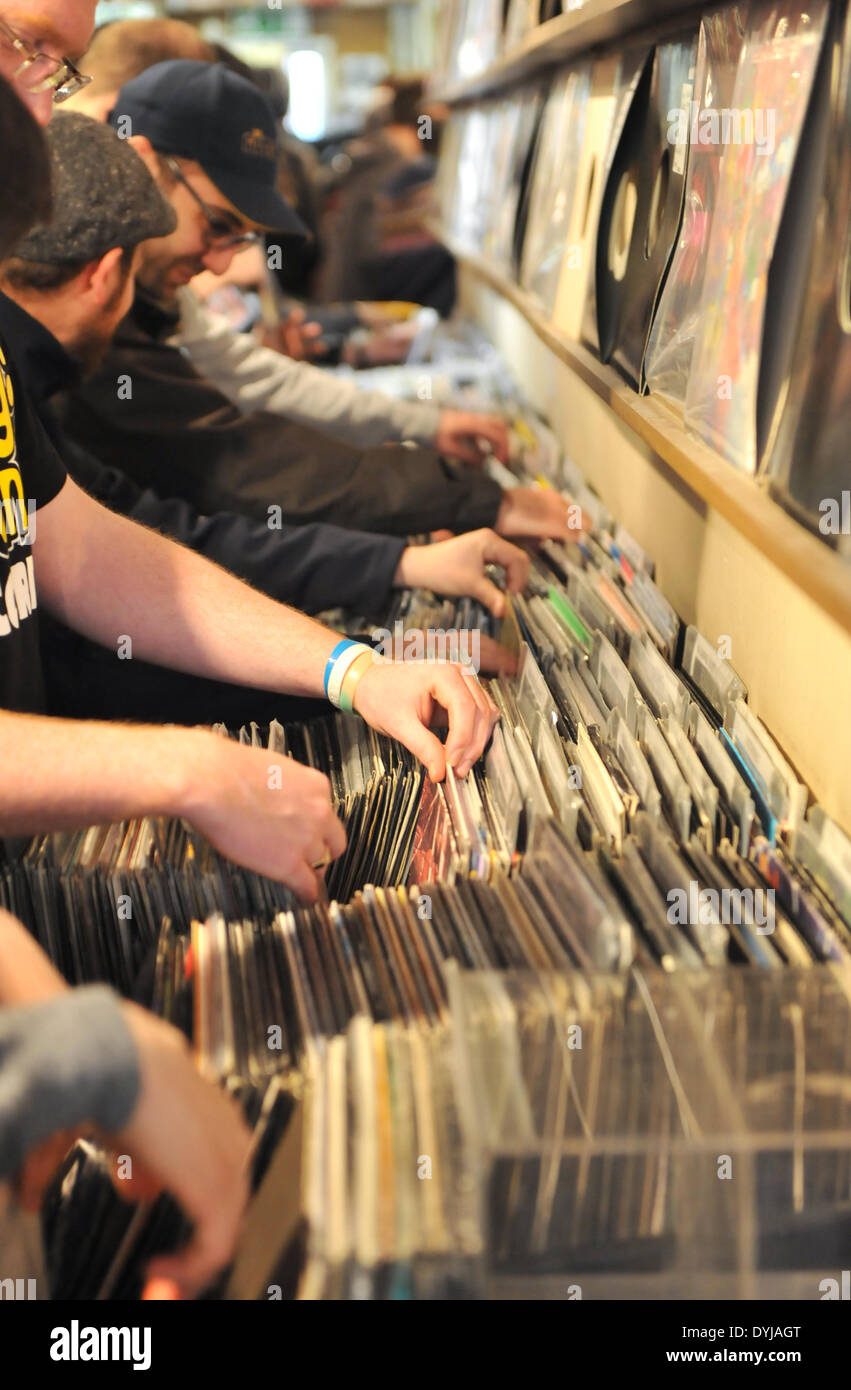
(678, 316)
(759, 141)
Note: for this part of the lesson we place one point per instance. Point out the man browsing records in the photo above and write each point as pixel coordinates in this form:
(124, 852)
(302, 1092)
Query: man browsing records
(111, 579)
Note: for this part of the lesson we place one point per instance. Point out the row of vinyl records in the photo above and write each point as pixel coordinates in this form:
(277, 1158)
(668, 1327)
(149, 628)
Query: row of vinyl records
(496, 1052)
(683, 208)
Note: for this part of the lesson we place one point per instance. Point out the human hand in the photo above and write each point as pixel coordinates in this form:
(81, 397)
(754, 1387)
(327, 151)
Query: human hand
(459, 433)
(457, 567)
(541, 513)
(40, 1165)
(299, 339)
(184, 1135)
(27, 976)
(264, 811)
(188, 1138)
(402, 699)
(380, 348)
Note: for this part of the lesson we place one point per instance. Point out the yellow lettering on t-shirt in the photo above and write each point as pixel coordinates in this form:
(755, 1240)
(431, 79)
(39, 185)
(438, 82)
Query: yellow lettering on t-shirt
(13, 506)
(7, 401)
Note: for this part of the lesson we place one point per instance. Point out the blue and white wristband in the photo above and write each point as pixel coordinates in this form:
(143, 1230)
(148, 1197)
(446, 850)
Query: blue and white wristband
(344, 655)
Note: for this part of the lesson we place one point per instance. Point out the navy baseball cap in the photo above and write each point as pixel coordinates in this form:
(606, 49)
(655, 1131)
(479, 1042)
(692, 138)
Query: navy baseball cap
(205, 112)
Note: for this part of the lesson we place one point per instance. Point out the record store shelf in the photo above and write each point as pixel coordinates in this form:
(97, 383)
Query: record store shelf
(728, 557)
(579, 31)
(819, 571)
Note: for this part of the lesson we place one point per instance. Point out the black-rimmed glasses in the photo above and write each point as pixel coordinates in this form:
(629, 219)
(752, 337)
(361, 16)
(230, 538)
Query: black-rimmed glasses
(221, 234)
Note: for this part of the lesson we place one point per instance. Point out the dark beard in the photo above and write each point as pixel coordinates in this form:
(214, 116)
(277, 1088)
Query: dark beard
(156, 287)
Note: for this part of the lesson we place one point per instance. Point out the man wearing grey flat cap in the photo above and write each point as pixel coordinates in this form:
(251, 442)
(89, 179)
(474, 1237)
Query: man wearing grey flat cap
(63, 292)
(117, 582)
(103, 225)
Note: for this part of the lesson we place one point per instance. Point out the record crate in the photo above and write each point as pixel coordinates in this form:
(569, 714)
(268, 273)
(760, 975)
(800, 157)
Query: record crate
(655, 1135)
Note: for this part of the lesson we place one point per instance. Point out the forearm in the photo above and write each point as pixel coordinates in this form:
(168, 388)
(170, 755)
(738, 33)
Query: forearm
(60, 773)
(121, 581)
(27, 975)
(257, 378)
(183, 611)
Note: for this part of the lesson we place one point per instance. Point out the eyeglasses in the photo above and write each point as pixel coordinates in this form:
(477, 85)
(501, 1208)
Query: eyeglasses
(40, 73)
(221, 234)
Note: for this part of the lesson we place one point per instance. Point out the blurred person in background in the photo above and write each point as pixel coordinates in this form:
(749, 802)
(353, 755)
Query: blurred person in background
(271, 294)
(102, 574)
(121, 49)
(297, 174)
(375, 234)
(275, 376)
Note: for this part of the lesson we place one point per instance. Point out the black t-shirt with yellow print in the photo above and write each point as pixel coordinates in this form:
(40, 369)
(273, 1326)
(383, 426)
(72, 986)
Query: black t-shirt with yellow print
(31, 474)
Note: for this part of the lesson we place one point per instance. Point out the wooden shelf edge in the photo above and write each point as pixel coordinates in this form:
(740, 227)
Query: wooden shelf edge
(564, 37)
(811, 565)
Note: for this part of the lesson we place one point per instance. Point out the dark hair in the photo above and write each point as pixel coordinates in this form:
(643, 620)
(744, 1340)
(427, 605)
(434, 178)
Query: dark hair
(42, 277)
(408, 95)
(24, 171)
(234, 64)
(272, 82)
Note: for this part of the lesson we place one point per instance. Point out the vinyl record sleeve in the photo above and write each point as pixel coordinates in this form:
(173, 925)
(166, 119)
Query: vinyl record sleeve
(435, 852)
(470, 204)
(412, 956)
(520, 19)
(806, 458)
(774, 78)
(631, 65)
(642, 207)
(676, 323)
(513, 140)
(553, 184)
(273, 1218)
(577, 265)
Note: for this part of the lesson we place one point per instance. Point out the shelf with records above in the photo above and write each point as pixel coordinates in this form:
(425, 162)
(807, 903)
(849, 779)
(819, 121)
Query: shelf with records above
(663, 211)
(656, 238)
(487, 45)
(742, 500)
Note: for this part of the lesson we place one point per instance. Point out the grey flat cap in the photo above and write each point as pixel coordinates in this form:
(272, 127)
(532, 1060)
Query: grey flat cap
(103, 196)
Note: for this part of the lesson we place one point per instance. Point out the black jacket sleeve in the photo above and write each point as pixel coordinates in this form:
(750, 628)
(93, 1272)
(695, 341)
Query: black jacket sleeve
(311, 567)
(149, 413)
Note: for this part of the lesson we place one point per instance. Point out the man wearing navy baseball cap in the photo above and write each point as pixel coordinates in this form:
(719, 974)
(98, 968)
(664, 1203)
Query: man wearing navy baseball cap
(315, 445)
(211, 138)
